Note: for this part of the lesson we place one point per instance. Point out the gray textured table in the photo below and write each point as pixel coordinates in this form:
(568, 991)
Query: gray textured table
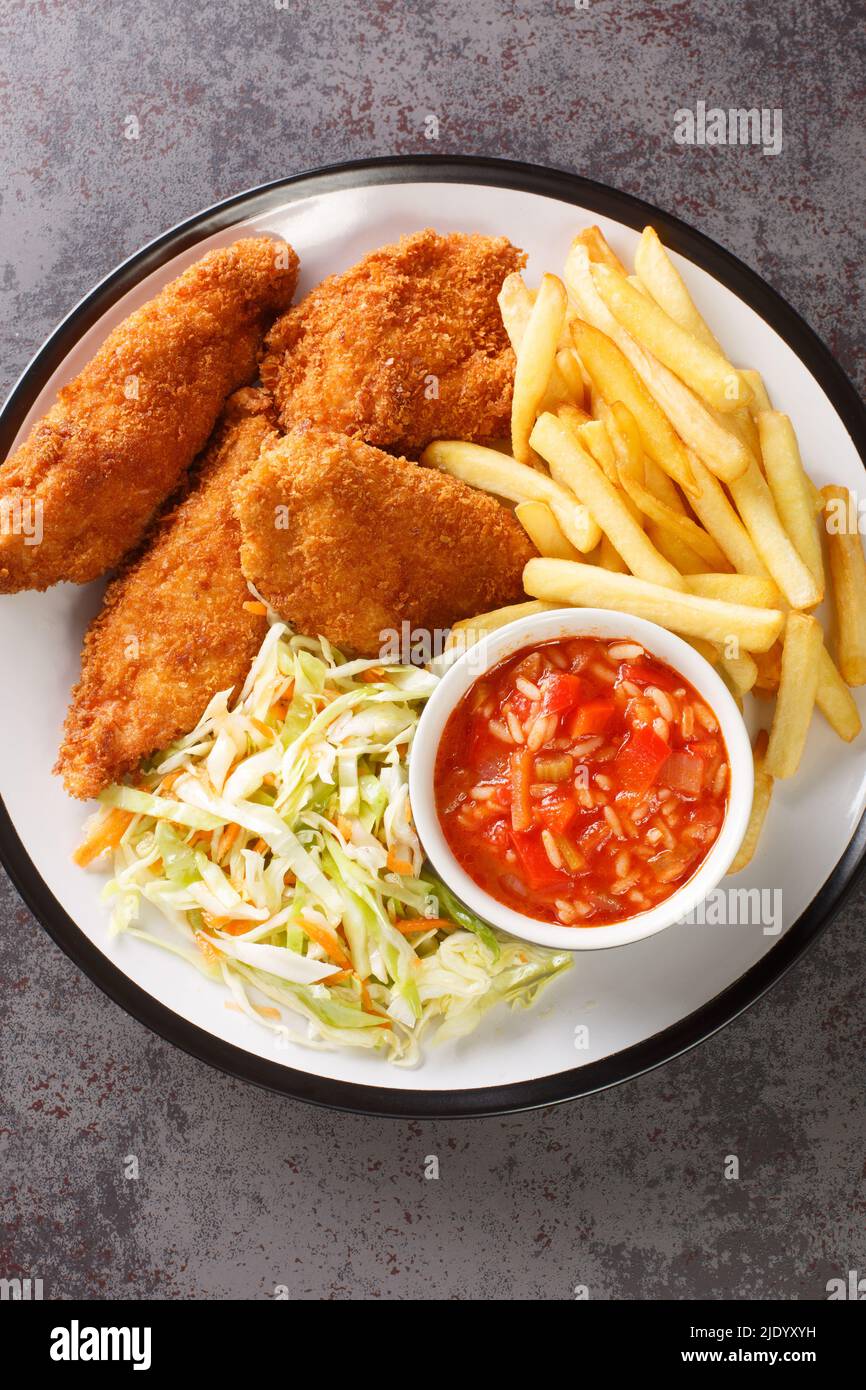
(240, 1191)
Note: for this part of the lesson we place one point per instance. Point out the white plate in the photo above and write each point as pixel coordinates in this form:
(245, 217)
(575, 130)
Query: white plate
(617, 1012)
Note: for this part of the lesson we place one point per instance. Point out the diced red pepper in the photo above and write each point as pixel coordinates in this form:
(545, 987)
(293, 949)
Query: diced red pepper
(591, 718)
(561, 691)
(521, 780)
(640, 760)
(658, 676)
(537, 868)
(557, 813)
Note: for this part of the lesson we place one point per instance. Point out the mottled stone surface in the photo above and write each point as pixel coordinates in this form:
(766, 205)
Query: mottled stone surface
(240, 1191)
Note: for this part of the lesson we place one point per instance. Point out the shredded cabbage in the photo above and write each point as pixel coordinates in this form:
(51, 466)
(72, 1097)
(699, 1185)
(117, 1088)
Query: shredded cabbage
(277, 841)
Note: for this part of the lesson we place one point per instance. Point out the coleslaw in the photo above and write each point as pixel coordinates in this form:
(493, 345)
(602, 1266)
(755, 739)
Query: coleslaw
(277, 841)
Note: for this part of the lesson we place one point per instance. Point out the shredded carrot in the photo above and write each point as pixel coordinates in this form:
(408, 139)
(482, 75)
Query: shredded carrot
(369, 1006)
(278, 710)
(258, 609)
(106, 836)
(267, 1011)
(372, 676)
(260, 847)
(226, 841)
(262, 727)
(340, 977)
(328, 941)
(207, 948)
(344, 826)
(407, 926)
(236, 928)
(269, 780)
(199, 836)
(399, 866)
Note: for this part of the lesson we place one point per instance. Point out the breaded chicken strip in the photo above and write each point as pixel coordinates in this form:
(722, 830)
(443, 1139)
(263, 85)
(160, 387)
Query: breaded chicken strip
(405, 347)
(173, 630)
(95, 470)
(347, 542)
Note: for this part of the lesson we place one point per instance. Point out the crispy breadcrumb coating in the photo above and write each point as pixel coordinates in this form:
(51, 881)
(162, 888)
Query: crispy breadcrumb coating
(405, 347)
(118, 440)
(173, 629)
(348, 542)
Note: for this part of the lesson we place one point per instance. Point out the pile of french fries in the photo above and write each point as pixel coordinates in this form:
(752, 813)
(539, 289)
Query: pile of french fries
(655, 478)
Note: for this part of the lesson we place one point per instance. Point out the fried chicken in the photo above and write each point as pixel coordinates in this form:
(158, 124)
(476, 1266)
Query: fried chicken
(348, 542)
(405, 347)
(94, 471)
(173, 630)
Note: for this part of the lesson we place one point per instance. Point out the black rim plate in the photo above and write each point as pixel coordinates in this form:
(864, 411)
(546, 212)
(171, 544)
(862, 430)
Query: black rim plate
(524, 1095)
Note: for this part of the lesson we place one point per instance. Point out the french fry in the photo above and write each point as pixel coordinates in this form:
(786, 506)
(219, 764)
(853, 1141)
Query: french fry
(801, 653)
(790, 488)
(609, 557)
(536, 357)
(544, 531)
(760, 400)
(848, 573)
(683, 526)
(594, 437)
(700, 366)
(741, 671)
(712, 508)
(754, 502)
(559, 581)
(617, 380)
(760, 805)
(568, 367)
(515, 302)
(661, 278)
(721, 450)
(598, 249)
(681, 555)
(505, 477)
(571, 465)
(835, 700)
(471, 630)
(662, 487)
(749, 589)
(769, 666)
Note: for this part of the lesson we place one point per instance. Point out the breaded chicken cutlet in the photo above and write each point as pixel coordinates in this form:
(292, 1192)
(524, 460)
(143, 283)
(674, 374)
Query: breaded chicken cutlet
(173, 629)
(95, 470)
(405, 347)
(347, 542)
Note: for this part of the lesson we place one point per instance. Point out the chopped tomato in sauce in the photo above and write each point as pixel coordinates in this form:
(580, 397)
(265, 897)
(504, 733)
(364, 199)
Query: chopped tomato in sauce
(581, 781)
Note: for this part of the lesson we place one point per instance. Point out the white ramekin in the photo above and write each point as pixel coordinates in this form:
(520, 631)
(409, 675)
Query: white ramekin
(546, 627)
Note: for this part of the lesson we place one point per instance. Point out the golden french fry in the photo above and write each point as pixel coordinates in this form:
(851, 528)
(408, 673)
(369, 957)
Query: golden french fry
(760, 399)
(515, 302)
(572, 466)
(595, 439)
(711, 506)
(701, 367)
(682, 526)
(544, 531)
(835, 700)
(769, 665)
(754, 502)
(491, 471)
(662, 487)
(536, 357)
(708, 650)
(680, 554)
(598, 249)
(470, 630)
(568, 367)
(660, 277)
(627, 445)
(694, 423)
(609, 557)
(760, 805)
(741, 671)
(749, 589)
(801, 653)
(756, 629)
(790, 488)
(848, 573)
(617, 380)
